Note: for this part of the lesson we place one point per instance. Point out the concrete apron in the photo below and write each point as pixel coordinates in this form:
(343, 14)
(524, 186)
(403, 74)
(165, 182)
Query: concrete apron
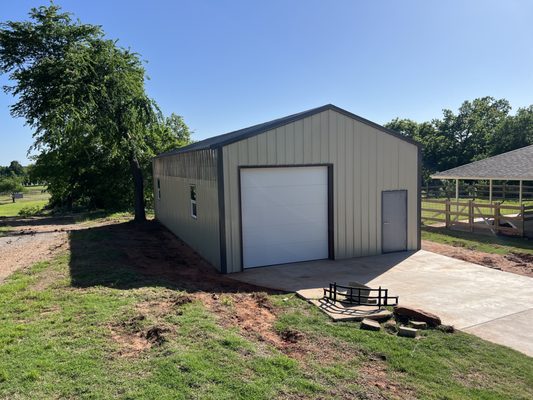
(494, 305)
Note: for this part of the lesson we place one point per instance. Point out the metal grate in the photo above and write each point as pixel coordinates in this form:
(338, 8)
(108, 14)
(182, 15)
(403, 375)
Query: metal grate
(360, 295)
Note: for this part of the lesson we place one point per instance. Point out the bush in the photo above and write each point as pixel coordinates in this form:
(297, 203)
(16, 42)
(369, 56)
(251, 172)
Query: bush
(10, 185)
(29, 211)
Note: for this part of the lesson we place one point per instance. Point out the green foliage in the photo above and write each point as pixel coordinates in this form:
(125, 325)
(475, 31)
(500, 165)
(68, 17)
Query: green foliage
(95, 128)
(481, 128)
(29, 211)
(10, 185)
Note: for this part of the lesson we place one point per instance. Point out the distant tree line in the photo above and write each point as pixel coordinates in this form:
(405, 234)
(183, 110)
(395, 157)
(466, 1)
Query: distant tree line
(95, 128)
(480, 128)
(14, 177)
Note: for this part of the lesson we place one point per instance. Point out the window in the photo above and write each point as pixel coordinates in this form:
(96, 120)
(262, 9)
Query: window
(193, 201)
(158, 189)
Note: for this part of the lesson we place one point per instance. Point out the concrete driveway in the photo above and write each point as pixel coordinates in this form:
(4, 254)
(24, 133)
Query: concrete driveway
(494, 305)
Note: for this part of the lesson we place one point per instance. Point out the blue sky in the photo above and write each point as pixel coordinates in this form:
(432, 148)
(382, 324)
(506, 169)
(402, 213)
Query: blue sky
(225, 65)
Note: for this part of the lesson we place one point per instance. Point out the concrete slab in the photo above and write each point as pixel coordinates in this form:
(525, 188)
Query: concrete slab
(515, 331)
(463, 294)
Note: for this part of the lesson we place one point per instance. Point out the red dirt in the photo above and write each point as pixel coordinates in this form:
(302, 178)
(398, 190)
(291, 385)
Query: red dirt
(31, 240)
(130, 344)
(516, 263)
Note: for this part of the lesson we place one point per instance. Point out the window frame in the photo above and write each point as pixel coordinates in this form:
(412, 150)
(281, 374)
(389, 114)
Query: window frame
(193, 201)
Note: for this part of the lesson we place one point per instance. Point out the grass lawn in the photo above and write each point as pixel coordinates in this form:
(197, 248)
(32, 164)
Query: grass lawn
(32, 198)
(475, 241)
(93, 324)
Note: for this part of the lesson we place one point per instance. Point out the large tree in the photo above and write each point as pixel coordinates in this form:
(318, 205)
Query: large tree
(480, 128)
(85, 98)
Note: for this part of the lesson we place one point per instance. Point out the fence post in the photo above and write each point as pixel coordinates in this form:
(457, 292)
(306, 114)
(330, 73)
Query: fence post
(522, 216)
(447, 212)
(471, 215)
(497, 216)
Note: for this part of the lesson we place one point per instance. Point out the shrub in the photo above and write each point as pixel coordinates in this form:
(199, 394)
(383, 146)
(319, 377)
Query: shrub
(9, 185)
(28, 211)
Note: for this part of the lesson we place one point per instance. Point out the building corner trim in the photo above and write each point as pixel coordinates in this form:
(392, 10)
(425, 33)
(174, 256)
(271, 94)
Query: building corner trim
(221, 212)
(419, 200)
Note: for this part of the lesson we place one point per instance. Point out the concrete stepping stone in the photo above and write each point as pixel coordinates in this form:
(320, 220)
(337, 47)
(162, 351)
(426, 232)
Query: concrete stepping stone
(418, 324)
(370, 324)
(405, 331)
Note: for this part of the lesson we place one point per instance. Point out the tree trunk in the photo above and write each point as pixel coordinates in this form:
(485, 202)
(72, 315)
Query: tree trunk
(138, 189)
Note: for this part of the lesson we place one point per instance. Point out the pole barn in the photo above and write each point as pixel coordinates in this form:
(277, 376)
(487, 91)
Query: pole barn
(320, 184)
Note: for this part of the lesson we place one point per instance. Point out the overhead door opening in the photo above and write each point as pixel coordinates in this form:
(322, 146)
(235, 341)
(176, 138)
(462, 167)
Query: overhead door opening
(284, 215)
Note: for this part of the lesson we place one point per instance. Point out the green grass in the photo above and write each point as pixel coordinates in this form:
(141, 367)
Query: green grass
(474, 241)
(57, 341)
(32, 198)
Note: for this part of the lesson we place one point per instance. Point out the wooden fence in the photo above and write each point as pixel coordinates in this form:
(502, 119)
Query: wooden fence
(503, 191)
(515, 220)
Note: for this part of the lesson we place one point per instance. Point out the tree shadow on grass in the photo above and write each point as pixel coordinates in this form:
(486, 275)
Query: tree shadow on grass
(133, 255)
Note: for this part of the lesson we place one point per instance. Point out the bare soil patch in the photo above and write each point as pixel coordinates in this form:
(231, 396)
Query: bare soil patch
(31, 240)
(242, 310)
(516, 263)
(374, 375)
(22, 250)
(130, 344)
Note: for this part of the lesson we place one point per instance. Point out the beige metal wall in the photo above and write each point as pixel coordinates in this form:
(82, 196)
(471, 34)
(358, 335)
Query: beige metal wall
(176, 174)
(365, 161)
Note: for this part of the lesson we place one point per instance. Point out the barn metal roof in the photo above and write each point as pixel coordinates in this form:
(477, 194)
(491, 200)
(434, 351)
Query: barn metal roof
(511, 166)
(241, 134)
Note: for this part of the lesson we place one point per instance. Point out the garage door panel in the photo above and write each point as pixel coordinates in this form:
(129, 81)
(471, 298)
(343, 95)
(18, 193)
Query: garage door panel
(285, 233)
(268, 216)
(260, 197)
(266, 177)
(284, 215)
(258, 256)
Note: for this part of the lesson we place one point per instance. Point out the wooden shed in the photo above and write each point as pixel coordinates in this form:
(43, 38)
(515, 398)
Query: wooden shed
(320, 184)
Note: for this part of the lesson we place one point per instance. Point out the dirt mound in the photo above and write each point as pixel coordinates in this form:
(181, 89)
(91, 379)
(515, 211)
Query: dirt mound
(517, 263)
(243, 310)
(182, 299)
(375, 378)
(520, 258)
(289, 335)
(130, 344)
(156, 335)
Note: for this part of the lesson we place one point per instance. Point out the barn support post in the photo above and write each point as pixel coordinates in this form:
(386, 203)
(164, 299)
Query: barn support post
(520, 192)
(522, 216)
(471, 215)
(490, 191)
(457, 196)
(497, 217)
(447, 212)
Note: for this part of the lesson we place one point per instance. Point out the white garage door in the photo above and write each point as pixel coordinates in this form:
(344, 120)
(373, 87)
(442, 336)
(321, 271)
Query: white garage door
(284, 215)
